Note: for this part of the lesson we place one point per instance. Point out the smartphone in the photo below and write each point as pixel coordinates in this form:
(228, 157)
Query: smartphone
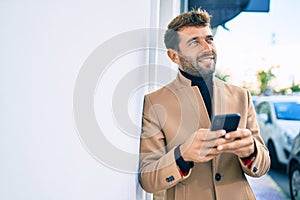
(228, 122)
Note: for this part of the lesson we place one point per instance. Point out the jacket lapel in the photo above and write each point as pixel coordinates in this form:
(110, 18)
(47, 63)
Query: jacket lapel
(219, 96)
(194, 99)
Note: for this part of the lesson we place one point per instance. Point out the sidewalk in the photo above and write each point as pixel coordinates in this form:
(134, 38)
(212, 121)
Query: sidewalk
(265, 188)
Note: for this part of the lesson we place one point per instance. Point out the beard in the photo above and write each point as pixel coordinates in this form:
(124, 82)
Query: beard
(199, 67)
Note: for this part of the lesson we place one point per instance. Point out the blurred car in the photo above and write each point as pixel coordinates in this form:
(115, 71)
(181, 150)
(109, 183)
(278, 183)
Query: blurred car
(293, 169)
(255, 100)
(279, 122)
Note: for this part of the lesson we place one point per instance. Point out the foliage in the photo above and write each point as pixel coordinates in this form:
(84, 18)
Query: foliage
(295, 88)
(223, 77)
(265, 78)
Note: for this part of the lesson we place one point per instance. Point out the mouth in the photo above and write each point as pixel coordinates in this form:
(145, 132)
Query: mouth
(206, 59)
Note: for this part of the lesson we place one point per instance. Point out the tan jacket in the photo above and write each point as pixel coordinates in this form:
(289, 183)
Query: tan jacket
(171, 114)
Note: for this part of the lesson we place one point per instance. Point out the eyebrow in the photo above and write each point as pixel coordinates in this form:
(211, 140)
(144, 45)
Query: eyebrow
(196, 38)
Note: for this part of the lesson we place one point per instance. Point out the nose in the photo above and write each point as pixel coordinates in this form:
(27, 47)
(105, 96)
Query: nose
(207, 46)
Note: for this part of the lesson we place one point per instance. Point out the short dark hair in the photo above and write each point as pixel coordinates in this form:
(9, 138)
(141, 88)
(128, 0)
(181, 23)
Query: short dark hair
(192, 18)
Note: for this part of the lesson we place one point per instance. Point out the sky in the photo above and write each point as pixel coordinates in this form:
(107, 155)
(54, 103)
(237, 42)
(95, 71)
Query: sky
(258, 41)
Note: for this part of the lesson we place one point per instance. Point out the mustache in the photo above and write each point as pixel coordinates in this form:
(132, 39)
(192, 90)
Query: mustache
(205, 55)
(185, 58)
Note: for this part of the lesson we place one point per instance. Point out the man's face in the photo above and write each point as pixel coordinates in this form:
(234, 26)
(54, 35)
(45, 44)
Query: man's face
(197, 52)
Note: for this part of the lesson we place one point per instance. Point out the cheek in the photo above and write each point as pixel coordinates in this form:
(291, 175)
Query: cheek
(192, 55)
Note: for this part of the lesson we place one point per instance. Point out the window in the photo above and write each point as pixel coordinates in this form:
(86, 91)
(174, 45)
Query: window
(287, 110)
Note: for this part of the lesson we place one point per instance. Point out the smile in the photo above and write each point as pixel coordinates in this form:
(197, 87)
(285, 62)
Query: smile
(206, 59)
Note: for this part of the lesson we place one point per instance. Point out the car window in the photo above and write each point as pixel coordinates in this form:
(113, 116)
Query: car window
(287, 110)
(263, 107)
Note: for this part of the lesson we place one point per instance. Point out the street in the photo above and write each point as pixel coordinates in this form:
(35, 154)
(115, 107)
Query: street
(281, 179)
(274, 185)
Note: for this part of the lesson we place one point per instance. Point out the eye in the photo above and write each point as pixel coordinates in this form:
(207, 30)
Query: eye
(210, 39)
(193, 43)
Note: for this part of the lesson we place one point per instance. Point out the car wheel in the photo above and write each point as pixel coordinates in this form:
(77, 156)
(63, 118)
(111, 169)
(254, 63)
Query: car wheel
(273, 156)
(294, 179)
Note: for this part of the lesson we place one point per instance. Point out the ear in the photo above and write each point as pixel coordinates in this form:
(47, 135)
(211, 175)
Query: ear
(173, 55)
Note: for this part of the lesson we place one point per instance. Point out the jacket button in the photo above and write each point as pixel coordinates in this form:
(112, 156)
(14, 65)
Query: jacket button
(218, 177)
(255, 169)
(170, 179)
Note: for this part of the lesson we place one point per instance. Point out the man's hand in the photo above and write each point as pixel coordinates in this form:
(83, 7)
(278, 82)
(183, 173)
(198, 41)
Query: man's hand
(202, 145)
(239, 142)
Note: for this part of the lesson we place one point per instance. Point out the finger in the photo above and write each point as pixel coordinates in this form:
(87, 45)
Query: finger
(206, 158)
(213, 143)
(208, 149)
(235, 144)
(239, 133)
(242, 152)
(208, 155)
(211, 135)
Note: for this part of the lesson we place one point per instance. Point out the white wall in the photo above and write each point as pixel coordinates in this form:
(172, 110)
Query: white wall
(43, 46)
(44, 49)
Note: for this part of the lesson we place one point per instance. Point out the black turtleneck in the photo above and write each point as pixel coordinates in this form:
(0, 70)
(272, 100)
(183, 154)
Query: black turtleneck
(205, 87)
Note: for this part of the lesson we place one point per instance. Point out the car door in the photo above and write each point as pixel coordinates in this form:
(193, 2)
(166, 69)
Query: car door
(265, 120)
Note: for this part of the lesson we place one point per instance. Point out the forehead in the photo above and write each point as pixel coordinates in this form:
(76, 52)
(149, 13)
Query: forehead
(194, 31)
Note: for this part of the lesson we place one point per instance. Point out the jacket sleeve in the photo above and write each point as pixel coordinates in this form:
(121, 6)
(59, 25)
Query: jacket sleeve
(157, 167)
(261, 162)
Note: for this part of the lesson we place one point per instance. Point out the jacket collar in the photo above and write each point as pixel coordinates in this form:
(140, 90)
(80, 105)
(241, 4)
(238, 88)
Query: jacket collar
(219, 94)
(182, 82)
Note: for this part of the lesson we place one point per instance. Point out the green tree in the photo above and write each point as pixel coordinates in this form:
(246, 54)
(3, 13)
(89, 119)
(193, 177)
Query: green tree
(295, 88)
(264, 78)
(223, 77)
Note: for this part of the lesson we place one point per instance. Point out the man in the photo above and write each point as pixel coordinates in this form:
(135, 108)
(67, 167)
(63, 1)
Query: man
(180, 158)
